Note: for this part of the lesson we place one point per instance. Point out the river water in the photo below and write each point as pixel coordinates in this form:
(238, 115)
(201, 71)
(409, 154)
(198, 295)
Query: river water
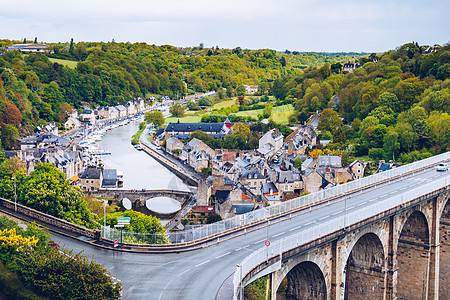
(140, 170)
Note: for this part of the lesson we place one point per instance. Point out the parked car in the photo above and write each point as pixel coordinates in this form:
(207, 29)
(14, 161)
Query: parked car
(442, 167)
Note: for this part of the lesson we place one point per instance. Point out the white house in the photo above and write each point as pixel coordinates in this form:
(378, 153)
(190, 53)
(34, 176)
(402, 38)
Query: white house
(72, 123)
(270, 143)
(122, 111)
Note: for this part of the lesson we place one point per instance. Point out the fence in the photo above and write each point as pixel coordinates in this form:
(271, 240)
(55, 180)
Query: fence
(263, 213)
(328, 227)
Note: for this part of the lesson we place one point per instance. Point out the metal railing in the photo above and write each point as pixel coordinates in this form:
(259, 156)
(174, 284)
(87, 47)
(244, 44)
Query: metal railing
(327, 227)
(263, 213)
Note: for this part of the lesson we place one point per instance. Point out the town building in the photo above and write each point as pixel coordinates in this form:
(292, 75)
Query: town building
(72, 123)
(270, 143)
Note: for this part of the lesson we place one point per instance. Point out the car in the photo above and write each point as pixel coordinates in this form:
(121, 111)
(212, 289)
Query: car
(442, 167)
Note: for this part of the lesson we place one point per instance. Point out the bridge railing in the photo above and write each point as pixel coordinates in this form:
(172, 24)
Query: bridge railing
(339, 221)
(263, 213)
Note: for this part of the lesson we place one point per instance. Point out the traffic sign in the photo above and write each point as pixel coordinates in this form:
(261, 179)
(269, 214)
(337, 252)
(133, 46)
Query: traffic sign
(267, 243)
(119, 225)
(123, 220)
(15, 196)
(116, 243)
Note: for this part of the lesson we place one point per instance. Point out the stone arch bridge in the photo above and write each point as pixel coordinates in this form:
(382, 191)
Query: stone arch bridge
(138, 197)
(401, 253)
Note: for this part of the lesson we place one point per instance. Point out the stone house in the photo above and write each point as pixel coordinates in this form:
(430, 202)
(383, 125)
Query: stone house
(270, 192)
(173, 144)
(288, 182)
(253, 180)
(122, 111)
(104, 112)
(91, 179)
(312, 180)
(193, 145)
(88, 115)
(131, 108)
(222, 158)
(72, 123)
(356, 169)
(113, 112)
(199, 159)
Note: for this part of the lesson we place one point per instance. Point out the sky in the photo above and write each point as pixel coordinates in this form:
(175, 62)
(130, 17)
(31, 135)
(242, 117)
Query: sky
(296, 25)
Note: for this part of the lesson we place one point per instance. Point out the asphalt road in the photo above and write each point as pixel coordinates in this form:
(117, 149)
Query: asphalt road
(199, 274)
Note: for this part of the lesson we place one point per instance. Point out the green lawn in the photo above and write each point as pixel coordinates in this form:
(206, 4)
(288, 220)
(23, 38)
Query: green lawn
(280, 114)
(225, 103)
(68, 63)
(185, 119)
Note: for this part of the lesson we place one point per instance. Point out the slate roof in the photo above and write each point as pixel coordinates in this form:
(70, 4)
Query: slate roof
(109, 177)
(87, 111)
(191, 127)
(266, 187)
(331, 161)
(288, 176)
(243, 208)
(91, 173)
(251, 174)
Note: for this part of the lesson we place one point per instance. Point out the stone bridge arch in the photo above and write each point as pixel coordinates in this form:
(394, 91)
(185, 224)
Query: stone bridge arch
(365, 269)
(413, 254)
(313, 262)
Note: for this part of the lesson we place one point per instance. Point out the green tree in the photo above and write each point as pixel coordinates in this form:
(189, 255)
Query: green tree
(9, 136)
(390, 142)
(156, 117)
(213, 218)
(329, 120)
(298, 162)
(177, 110)
(47, 190)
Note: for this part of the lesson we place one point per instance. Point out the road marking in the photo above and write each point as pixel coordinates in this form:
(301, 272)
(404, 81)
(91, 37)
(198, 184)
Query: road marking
(258, 242)
(323, 218)
(182, 273)
(295, 228)
(351, 207)
(167, 285)
(309, 223)
(237, 249)
(245, 246)
(391, 193)
(281, 233)
(336, 213)
(205, 262)
(223, 255)
(361, 203)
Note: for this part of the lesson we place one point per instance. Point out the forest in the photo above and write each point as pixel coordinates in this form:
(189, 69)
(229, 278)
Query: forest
(395, 106)
(38, 88)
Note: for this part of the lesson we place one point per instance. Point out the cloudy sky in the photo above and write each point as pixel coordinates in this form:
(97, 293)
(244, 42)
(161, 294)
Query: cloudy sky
(302, 25)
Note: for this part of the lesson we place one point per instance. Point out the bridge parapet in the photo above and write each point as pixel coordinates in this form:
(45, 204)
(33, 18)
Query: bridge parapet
(50, 220)
(265, 256)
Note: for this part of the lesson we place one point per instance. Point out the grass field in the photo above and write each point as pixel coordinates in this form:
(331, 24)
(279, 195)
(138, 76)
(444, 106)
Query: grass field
(68, 63)
(225, 103)
(280, 114)
(185, 119)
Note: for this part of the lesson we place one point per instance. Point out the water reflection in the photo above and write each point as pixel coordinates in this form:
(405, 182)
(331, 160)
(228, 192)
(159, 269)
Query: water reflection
(163, 205)
(140, 171)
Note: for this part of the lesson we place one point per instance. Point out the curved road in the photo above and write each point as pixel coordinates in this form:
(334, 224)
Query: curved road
(199, 274)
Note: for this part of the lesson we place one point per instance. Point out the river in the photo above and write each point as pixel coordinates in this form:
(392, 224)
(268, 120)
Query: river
(140, 170)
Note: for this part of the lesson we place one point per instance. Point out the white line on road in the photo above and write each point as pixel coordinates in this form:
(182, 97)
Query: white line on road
(361, 203)
(309, 223)
(323, 218)
(258, 242)
(392, 193)
(281, 233)
(295, 228)
(205, 262)
(237, 249)
(223, 255)
(182, 273)
(245, 246)
(336, 213)
(351, 207)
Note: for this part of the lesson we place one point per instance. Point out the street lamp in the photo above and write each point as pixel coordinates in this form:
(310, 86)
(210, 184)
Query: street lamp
(104, 213)
(241, 284)
(15, 194)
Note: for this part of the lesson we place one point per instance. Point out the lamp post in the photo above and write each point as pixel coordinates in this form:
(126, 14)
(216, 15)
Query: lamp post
(15, 194)
(104, 213)
(241, 285)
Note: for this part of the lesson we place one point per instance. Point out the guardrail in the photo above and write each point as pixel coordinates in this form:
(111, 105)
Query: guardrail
(48, 219)
(335, 224)
(266, 212)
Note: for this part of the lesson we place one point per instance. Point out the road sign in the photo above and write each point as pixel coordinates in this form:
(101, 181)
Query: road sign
(119, 225)
(116, 243)
(15, 196)
(123, 220)
(267, 243)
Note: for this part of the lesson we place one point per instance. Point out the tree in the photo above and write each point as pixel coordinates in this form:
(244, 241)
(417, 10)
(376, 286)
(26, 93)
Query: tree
(241, 100)
(213, 218)
(389, 100)
(156, 117)
(298, 162)
(390, 142)
(329, 120)
(11, 114)
(9, 136)
(242, 129)
(192, 105)
(240, 90)
(283, 61)
(35, 40)
(71, 47)
(177, 110)
(47, 190)
(267, 111)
